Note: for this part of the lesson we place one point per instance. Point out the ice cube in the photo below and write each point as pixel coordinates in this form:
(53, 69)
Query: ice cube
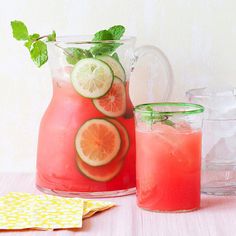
(223, 152)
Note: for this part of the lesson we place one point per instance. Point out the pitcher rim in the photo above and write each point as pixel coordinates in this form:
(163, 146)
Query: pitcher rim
(87, 39)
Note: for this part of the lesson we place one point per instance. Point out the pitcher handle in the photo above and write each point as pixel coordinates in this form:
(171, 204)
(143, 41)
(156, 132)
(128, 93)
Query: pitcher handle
(163, 64)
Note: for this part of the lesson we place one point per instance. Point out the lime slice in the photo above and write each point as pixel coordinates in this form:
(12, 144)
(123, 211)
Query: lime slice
(91, 78)
(97, 142)
(116, 66)
(113, 103)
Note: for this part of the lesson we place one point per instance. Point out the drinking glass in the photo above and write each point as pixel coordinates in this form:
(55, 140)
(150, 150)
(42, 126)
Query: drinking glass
(168, 164)
(219, 139)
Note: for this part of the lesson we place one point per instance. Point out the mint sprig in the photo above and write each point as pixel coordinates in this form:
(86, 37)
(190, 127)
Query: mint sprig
(37, 45)
(34, 43)
(151, 117)
(113, 33)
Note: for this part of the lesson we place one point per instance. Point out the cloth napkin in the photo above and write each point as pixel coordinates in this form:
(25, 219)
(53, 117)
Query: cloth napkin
(46, 212)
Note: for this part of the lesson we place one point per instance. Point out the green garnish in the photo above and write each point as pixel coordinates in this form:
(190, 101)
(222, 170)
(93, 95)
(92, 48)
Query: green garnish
(34, 42)
(76, 54)
(19, 30)
(152, 117)
(37, 46)
(113, 33)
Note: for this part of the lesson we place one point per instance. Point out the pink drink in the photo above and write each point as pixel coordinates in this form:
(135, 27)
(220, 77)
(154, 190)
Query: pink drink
(56, 164)
(168, 168)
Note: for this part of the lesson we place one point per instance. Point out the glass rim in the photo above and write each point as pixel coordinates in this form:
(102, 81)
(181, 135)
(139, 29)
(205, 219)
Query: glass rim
(196, 108)
(87, 39)
(208, 92)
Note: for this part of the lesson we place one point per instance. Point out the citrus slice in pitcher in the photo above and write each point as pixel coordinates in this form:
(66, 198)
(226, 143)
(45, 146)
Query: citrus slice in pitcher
(100, 173)
(97, 142)
(123, 135)
(115, 65)
(91, 78)
(113, 103)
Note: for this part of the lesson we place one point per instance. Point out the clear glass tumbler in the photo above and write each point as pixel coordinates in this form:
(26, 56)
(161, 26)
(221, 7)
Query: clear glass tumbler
(168, 162)
(219, 139)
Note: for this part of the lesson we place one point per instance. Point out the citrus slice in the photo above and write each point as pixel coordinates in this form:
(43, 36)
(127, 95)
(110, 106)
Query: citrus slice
(97, 142)
(113, 104)
(100, 173)
(109, 171)
(124, 137)
(91, 78)
(115, 65)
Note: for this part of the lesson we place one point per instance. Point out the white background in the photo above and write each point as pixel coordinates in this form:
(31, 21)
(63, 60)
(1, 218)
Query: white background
(198, 37)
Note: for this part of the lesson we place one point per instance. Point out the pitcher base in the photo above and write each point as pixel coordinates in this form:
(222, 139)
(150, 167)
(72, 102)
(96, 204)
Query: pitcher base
(105, 194)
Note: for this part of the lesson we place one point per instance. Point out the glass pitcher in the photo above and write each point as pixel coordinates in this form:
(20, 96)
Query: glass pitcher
(86, 144)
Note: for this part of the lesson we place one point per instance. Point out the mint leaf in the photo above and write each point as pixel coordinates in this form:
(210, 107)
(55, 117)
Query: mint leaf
(102, 35)
(34, 37)
(30, 41)
(19, 30)
(117, 31)
(52, 37)
(104, 48)
(153, 117)
(28, 44)
(76, 54)
(39, 53)
(113, 33)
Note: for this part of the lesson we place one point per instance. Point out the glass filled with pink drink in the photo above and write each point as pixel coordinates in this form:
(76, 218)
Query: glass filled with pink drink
(168, 162)
(86, 140)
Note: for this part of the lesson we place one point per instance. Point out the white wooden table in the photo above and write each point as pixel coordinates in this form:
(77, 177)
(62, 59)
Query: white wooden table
(217, 216)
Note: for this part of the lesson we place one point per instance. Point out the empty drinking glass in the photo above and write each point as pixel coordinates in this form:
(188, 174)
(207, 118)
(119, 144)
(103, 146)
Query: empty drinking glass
(219, 139)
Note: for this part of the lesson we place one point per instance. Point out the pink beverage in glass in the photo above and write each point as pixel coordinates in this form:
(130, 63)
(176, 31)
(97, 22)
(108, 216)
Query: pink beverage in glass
(168, 165)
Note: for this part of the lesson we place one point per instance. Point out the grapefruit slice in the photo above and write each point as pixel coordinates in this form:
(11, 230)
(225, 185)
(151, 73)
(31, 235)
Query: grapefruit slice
(115, 65)
(97, 142)
(100, 173)
(91, 78)
(109, 171)
(113, 104)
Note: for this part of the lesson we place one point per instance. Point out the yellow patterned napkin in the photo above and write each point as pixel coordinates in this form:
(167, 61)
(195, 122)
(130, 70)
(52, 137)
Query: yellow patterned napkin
(91, 207)
(24, 210)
